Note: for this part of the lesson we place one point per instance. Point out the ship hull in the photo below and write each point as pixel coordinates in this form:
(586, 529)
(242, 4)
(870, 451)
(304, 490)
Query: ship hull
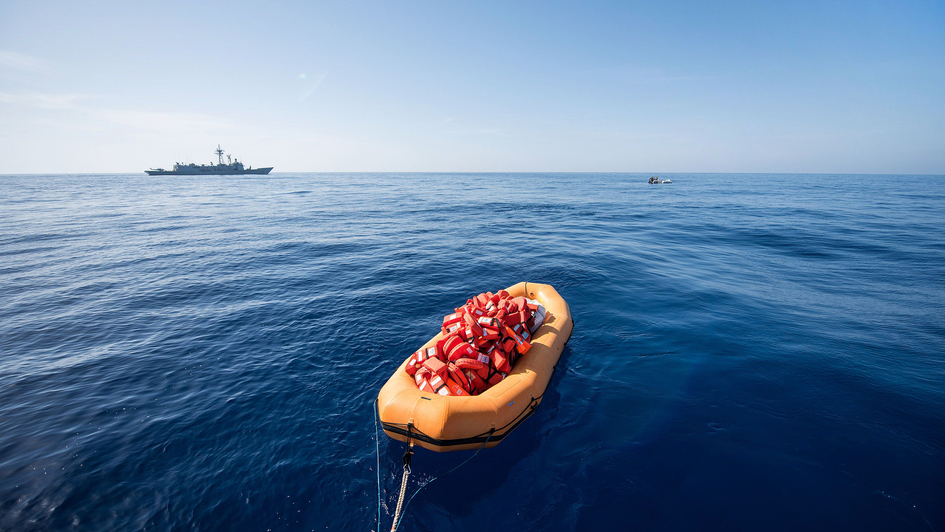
(257, 171)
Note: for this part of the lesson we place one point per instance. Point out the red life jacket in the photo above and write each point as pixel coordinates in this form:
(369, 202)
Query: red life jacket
(450, 319)
(435, 366)
(422, 375)
(425, 386)
(457, 375)
(520, 343)
(462, 350)
(471, 363)
(502, 362)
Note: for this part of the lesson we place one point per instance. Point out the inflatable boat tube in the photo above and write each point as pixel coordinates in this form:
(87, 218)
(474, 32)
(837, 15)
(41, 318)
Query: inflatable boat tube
(447, 423)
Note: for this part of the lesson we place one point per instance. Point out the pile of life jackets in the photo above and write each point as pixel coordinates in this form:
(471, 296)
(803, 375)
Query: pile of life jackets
(481, 342)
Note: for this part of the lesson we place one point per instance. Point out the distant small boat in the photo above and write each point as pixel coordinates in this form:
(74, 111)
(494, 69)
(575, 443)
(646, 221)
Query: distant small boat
(656, 181)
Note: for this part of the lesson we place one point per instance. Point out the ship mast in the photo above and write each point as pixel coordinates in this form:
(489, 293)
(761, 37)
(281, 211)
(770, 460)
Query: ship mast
(219, 153)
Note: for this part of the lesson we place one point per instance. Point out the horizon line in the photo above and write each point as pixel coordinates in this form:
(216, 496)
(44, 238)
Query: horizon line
(485, 172)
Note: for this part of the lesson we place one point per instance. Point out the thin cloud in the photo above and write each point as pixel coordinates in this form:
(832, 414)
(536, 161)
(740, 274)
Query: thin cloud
(622, 135)
(315, 84)
(43, 101)
(25, 62)
(482, 131)
(161, 121)
(647, 74)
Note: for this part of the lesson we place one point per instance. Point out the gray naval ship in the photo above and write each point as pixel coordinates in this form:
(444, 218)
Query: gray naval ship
(230, 167)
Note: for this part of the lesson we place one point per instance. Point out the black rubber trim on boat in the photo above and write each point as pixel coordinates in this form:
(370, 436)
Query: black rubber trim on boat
(512, 425)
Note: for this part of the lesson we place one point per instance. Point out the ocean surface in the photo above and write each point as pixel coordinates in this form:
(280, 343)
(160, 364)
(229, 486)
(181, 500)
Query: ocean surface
(750, 352)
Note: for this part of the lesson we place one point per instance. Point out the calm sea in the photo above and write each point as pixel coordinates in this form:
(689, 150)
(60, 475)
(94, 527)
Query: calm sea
(750, 352)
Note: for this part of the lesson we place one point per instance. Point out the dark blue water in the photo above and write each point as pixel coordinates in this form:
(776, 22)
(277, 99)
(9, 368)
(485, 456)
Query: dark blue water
(749, 353)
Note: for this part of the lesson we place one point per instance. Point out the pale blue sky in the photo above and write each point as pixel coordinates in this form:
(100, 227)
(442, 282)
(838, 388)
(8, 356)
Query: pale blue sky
(854, 87)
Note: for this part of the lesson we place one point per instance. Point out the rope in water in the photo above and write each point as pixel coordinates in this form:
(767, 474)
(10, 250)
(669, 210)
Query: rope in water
(398, 515)
(400, 499)
(425, 484)
(408, 454)
(377, 447)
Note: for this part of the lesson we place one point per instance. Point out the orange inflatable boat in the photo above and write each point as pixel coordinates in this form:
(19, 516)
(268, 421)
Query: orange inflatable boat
(451, 423)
